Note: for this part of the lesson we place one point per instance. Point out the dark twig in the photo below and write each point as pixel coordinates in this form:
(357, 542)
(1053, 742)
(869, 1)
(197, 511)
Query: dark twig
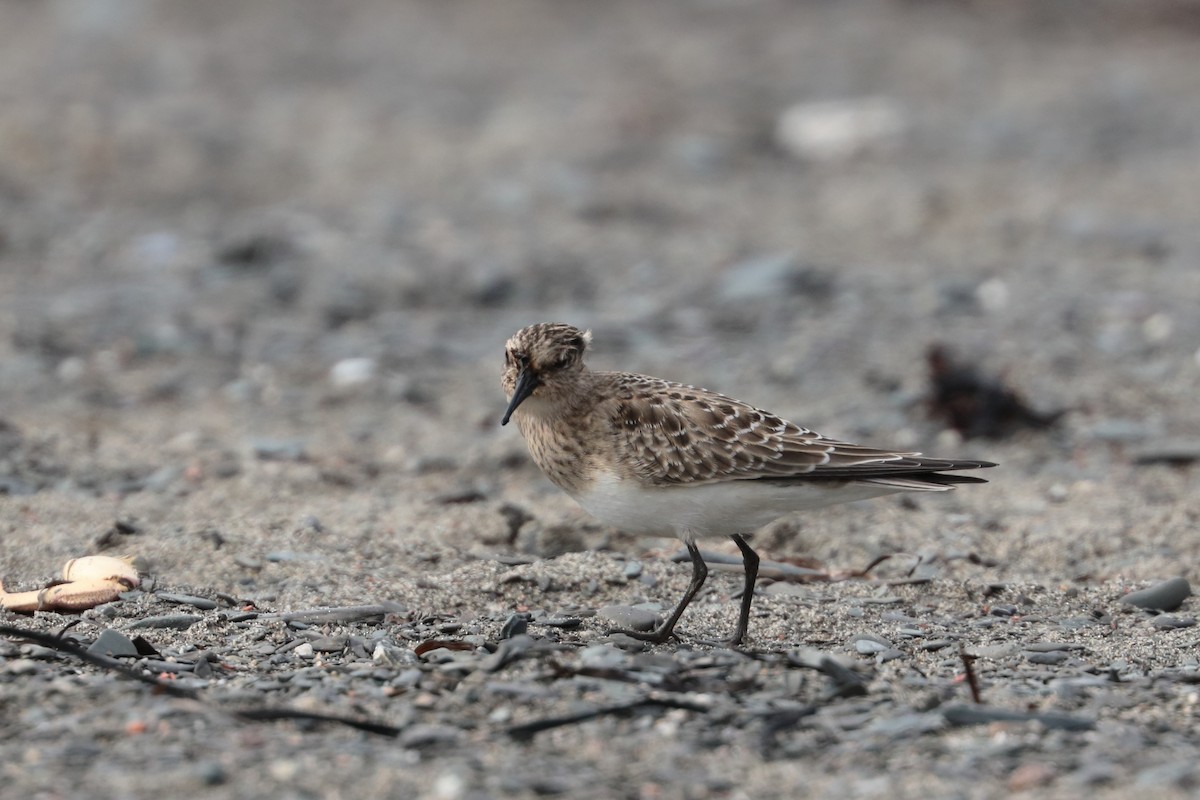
(69, 647)
(968, 662)
(262, 713)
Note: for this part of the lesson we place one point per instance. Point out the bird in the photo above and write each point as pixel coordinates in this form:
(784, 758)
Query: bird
(654, 457)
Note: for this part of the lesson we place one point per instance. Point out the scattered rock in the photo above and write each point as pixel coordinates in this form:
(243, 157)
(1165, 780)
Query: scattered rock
(630, 617)
(202, 603)
(1165, 596)
(178, 622)
(115, 644)
(350, 373)
(279, 449)
(837, 130)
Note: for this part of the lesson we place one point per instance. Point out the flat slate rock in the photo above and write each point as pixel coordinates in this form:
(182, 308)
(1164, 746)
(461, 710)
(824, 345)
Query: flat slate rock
(202, 603)
(178, 622)
(113, 643)
(985, 715)
(1165, 596)
(629, 617)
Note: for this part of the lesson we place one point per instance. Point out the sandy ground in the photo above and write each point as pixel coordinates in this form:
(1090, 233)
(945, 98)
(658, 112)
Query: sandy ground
(257, 265)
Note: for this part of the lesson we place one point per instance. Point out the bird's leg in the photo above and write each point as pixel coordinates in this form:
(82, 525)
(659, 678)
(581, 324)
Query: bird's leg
(750, 562)
(667, 629)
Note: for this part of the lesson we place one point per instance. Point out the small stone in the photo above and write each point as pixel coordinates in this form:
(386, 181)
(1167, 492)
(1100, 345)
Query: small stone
(304, 650)
(629, 617)
(279, 449)
(393, 656)
(1052, 647)
(210, 773)
(985, 715)
(1046, 658)
(786, 589)
(113, 643)
(178, 622)
(1173, 453)
(202, 603)
(1165, 596)
(515, 625)
(352, 372)
(328, 644)
(1166, 622)
(428, 735)
(868, 645)
(835, 130)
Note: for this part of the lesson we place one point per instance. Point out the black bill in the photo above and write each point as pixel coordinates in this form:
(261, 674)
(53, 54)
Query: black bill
(527, 381)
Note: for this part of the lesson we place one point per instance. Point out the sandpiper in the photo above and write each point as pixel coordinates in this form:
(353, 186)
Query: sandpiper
(658, 458)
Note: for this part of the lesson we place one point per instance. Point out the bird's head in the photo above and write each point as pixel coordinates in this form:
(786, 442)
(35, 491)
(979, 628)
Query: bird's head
(541, 362)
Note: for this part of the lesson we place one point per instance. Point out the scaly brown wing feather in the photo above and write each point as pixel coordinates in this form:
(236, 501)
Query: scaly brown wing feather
(676, 435)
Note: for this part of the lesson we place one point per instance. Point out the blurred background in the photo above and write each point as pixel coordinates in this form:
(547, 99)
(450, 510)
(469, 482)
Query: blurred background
(302, 220)
(258, 262)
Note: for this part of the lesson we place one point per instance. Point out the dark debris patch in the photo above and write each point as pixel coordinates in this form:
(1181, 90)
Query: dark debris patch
(977, 405)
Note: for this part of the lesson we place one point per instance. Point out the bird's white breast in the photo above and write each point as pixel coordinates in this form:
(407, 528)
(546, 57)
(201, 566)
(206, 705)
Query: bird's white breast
(715, 509)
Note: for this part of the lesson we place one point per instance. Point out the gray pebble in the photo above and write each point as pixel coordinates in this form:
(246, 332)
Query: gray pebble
(867, 645)
(279, 449)
(422, 735)
(328, 644)
(178, 622)
(785, 589)
(1076, 623)
(629, 617)
(1052, 647)
(210, 773)
(515, 625)
(1056, 657)
(510, 650)
(1166, 622)
(113, 643)
(1165, 596)
(202, 603)
(633, 569)
(985, 715)
(906, 725)
(627, 643)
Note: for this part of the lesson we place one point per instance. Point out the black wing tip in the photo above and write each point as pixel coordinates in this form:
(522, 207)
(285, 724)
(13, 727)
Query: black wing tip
(947, 480)
(944, 472)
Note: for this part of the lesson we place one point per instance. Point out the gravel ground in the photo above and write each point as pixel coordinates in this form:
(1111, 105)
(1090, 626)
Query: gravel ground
(257, 265)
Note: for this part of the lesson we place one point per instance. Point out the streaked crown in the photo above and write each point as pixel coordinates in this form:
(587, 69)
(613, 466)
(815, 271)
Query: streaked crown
(541, 361)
